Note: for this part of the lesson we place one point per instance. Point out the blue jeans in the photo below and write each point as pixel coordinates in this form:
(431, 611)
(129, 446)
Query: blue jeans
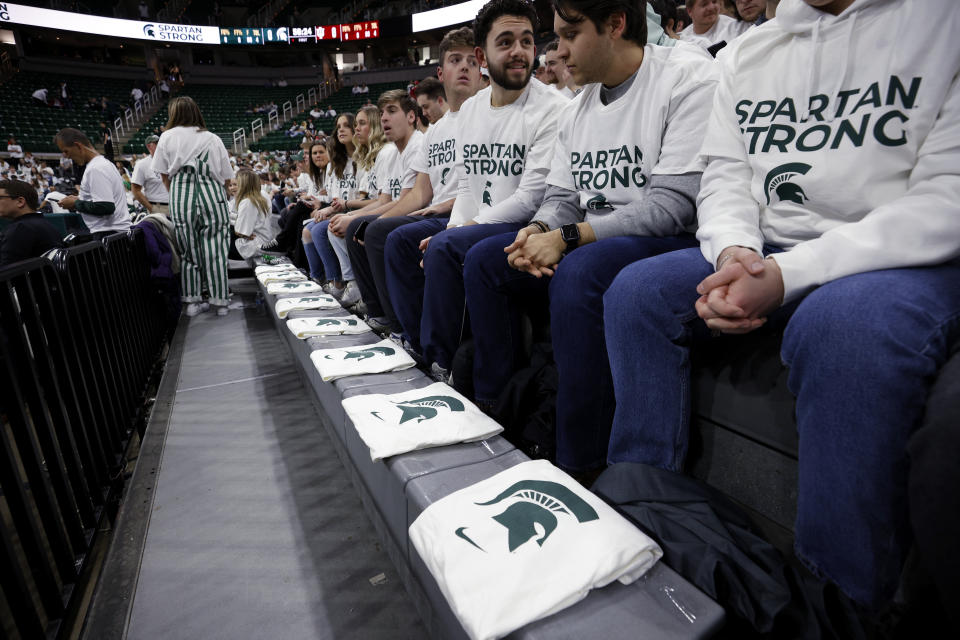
(405, 278)
(444, 302)
(585, 403)
(863, 352)
(331, 264)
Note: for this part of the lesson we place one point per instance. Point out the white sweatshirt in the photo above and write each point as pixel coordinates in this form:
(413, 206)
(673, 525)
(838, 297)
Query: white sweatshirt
(438, 157)
(608, 154)
(724, 29)
(344, 187)
(838, 139)
(505, 155)
(395, 172)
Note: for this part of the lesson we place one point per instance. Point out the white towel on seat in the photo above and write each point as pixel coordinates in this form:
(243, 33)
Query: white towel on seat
(305, 328)
(355, 361)
(280, 276)
(274, 268)
(524, 544)
(302, 303)
(302, 286)
(417, 419)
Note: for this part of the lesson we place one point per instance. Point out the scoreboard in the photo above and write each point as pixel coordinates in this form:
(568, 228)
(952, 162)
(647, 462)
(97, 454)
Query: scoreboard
(360, 30)
(241, 35)
(300, 35)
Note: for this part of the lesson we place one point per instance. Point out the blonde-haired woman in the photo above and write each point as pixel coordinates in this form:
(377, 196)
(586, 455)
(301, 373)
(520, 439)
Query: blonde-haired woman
(253, 229)
(195, 169)
(369, 140)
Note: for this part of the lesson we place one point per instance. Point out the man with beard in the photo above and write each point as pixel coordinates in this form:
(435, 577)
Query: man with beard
(505, 145)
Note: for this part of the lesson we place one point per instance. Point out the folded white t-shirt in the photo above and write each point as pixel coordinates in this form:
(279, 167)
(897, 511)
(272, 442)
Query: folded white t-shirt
(418, 419)
(286, 305)
(274, 268)
(355, 361)
(280, 276)
(305, 328)
(303, 286)
(524, 544)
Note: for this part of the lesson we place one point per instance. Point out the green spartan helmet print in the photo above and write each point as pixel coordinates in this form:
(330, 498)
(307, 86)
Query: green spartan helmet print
(421, 409)
(540, 501)
(486, 194)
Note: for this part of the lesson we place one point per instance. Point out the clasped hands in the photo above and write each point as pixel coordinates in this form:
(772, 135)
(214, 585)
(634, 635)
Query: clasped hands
(739, 296)
(536, 252)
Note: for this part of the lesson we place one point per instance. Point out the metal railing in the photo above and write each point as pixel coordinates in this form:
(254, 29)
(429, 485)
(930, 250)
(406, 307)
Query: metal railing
(79, 339)
(275, 118)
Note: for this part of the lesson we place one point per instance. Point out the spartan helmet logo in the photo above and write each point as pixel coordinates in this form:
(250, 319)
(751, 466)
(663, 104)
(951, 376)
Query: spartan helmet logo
(779, 181)
(486, 194)
(363, 354)
(426, 408)
(327, 322)
(148, 31)
(443, 176)
(598, 202)
(536, 511)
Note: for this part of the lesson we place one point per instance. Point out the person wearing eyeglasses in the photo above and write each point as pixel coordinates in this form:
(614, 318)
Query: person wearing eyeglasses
(28, 235)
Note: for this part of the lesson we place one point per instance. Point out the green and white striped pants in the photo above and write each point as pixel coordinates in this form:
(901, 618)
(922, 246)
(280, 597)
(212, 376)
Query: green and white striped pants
(198, 208)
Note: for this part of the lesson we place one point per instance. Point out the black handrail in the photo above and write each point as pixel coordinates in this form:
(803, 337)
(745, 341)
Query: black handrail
(80, 337)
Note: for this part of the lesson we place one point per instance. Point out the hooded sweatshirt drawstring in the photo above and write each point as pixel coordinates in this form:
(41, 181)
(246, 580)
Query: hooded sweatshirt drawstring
(813, 71)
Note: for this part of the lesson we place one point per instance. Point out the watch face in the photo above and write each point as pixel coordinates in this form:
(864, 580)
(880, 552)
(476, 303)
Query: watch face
(570, 233)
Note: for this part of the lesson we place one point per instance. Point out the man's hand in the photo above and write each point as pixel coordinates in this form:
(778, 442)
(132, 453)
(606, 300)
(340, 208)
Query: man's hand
(337, 206)
(539, 254)
(740, 295)
(339, 223)
(423, 248)
(520, 240)
(426, 212)
(69, 202)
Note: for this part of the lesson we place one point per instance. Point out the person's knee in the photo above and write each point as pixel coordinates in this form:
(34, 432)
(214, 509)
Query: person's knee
(306, 236)
(484, 258)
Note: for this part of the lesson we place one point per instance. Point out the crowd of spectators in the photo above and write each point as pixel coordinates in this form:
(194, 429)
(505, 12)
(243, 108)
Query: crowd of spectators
(666, 179)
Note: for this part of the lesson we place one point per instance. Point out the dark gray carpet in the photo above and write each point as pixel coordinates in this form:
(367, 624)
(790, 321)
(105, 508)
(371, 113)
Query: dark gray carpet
(256, 531)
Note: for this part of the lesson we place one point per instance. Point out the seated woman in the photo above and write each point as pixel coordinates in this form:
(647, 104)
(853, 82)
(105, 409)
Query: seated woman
(253, 230)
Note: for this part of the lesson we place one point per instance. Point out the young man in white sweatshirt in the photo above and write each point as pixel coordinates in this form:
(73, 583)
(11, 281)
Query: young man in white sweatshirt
(622, 187)
(427, 205)
(831, 204)
(505, 143)
(395, 177)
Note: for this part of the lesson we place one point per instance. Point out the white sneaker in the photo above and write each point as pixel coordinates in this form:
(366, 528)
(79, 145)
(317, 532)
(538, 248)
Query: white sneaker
(195, 308)
(334, 290)
(351, 294)
(222, 311)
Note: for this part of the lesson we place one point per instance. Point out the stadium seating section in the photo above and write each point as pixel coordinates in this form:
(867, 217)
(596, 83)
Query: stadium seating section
(224, 109)
(35, 125)
(343, 101)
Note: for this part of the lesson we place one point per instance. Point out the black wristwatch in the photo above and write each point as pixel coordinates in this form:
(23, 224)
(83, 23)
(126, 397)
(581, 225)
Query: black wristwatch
(571, 235)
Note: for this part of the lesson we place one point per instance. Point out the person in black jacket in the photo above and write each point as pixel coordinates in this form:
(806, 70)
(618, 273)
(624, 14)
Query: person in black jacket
(28, 234)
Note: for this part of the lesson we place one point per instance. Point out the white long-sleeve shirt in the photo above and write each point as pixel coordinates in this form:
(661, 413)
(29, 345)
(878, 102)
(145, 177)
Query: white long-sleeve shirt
(837, 141)
(504, 155)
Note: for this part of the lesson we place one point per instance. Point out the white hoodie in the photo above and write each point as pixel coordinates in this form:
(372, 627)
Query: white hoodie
(838, 139)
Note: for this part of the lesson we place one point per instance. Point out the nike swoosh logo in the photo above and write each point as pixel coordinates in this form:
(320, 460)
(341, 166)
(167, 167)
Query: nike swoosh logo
(376, 414)
(460, 534)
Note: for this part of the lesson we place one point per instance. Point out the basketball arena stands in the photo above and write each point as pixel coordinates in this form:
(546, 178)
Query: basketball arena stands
(167, 473)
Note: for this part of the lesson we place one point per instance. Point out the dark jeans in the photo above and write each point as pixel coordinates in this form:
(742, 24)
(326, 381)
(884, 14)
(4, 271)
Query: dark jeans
(585, 401)
(863, 352)
(371, 276)
(405, 278)
(444, 304)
